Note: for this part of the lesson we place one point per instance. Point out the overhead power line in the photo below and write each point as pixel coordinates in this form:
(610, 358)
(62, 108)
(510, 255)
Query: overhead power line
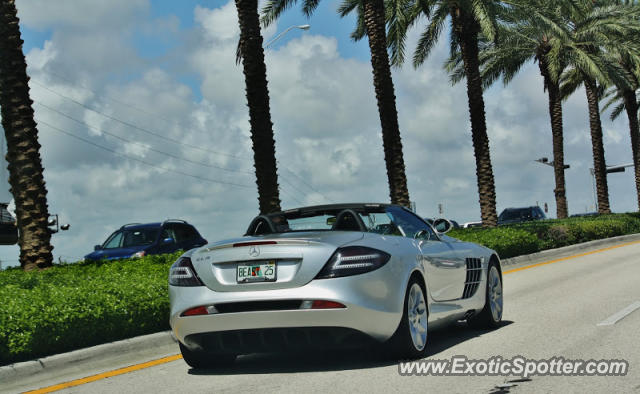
(305, 183)
(139, 143)
(144, 130)
(292, 186)
(122, 103)
(290, 195)
(113, 151)
(128, 105)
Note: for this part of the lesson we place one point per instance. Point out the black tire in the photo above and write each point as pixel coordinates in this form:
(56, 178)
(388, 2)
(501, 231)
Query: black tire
(401, 345)
(200, 359)
(487, 317)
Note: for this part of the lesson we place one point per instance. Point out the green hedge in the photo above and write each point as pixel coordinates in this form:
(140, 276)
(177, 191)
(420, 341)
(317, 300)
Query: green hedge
(72, 306)
(530, 237)
(505, 241)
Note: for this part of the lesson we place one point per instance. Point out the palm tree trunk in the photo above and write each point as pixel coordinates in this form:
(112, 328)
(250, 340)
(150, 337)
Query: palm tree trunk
(555, 112)
(599, 164)
(255, 75)
(25, 167)
(467, 31)
(631, 105)
(383, 84)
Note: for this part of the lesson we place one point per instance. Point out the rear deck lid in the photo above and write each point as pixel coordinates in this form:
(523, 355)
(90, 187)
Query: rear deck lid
(278, 261)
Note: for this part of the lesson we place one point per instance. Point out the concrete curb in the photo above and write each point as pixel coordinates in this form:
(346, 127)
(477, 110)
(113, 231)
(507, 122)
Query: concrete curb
(28, 368)
(65, 360)
(551, 254)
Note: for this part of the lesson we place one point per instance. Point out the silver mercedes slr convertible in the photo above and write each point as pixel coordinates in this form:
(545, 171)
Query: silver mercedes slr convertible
(334, 275)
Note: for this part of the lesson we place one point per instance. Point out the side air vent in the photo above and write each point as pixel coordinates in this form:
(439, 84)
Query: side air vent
(474, 273)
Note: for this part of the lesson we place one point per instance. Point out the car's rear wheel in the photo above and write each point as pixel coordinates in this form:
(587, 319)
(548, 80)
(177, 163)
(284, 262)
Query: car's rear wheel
(491, 314)
(410, 339)
(201, 359)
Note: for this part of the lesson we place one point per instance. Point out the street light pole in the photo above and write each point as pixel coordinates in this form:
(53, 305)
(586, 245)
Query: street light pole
(561, 199)
(595, 193)
(545, 161)
(276, 38)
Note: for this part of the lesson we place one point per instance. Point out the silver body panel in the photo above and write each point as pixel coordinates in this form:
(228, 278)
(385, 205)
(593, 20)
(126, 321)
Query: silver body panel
(374, 300)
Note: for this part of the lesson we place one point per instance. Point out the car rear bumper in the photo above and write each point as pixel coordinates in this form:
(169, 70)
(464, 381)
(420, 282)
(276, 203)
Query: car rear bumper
(373, 306)
(265, 340)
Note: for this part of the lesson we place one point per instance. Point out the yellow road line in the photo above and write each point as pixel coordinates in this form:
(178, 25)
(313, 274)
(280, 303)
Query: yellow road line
(104, 375)
(569, 257)
(165, 360)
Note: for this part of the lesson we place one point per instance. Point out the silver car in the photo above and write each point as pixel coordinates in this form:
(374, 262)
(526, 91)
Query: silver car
(333, 275)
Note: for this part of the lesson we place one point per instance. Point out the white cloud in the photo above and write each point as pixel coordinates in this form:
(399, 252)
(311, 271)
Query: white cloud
(83, 16)
(612, 136)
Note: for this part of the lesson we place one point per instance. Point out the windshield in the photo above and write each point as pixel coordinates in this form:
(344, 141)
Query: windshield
(128, 238)
(376, 222)
(515, 214)
(373, 221)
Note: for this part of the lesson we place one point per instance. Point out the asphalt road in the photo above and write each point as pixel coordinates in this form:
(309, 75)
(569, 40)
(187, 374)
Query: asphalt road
(551, 310)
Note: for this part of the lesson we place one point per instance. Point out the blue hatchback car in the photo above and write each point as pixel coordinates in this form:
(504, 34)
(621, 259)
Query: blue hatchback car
(138, 240)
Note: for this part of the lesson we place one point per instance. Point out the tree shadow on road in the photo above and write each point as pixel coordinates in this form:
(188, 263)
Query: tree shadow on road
(340, 360)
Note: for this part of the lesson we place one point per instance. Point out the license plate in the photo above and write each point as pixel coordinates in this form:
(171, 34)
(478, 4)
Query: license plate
(263, 272)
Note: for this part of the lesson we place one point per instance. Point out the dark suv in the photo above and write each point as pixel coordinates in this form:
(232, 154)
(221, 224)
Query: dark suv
(519, 215)
(8, 229)
(137, 240)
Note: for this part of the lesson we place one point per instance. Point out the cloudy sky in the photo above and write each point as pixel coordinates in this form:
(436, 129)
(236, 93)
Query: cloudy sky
(142, 117)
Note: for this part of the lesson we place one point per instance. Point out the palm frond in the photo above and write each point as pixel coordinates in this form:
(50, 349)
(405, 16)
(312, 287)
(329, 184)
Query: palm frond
(347, 6)
(360, 31)
(485, 18)
(309, 6)
(619, 109)
(570, 81)
(455, 67)
(429, 37)
(399, 17)
(272, 10)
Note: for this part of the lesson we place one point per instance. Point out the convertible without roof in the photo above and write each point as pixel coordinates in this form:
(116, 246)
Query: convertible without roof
(333, 275)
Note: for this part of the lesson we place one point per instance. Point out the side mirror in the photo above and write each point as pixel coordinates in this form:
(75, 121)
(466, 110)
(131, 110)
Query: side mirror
(168, 240)
(442, 225)
(97, 247)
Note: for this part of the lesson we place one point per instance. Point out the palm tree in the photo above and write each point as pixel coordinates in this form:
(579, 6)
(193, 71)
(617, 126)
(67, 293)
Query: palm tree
(468, 20)
(251, 53)
(600, 30)
(371, 21)
(628, 98)
(25, 167)
(528, 33)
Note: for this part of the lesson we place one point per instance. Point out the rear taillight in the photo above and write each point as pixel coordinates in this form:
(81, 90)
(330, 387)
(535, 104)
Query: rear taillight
(353, 260)
(182, 273)
(321, 304)
(200, 310)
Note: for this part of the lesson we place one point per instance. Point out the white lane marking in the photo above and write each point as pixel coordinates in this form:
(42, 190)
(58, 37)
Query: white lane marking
(613, 319)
